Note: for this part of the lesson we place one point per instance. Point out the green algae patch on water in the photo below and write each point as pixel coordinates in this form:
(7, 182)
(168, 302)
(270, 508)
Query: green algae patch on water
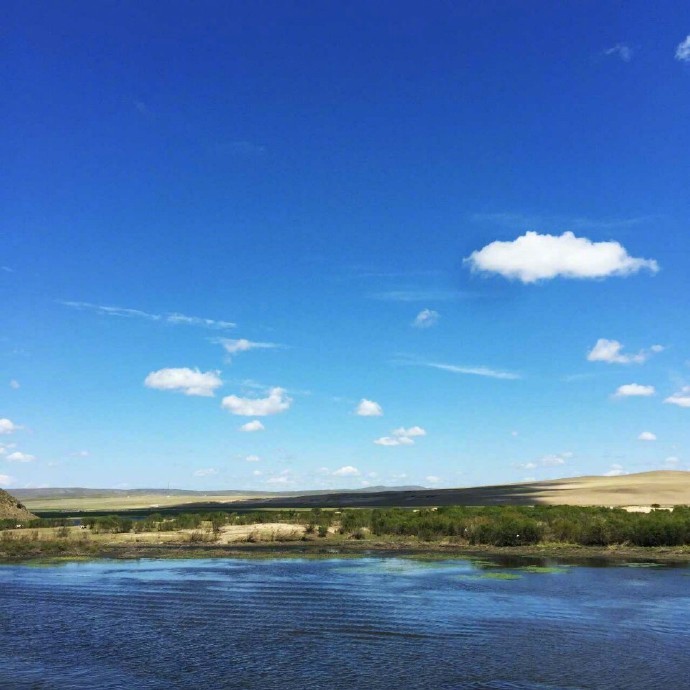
(500, 576)
(543, 569)
(642, 565)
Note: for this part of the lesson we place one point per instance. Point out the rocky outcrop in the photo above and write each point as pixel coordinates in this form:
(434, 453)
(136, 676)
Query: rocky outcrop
(12, 509)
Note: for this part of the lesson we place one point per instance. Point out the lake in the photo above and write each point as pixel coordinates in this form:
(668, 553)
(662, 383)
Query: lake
(342, 623)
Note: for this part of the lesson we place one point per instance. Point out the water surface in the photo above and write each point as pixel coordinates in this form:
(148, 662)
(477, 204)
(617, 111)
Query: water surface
(360, 623)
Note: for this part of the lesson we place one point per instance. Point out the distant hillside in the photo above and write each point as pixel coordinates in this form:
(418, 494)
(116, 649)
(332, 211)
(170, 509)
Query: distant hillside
(79, 492)
(666, 488)
(12, 509)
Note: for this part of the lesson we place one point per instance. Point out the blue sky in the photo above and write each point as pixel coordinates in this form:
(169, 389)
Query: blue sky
(441, 244)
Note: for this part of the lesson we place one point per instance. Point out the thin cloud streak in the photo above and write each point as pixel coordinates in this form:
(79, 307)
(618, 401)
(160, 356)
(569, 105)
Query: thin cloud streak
(465, 370)
(173, 318)
(420, 295)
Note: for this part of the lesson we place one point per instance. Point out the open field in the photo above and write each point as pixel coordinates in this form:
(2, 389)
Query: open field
(637, 491)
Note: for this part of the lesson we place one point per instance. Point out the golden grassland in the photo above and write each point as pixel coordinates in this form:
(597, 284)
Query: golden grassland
(636, 491)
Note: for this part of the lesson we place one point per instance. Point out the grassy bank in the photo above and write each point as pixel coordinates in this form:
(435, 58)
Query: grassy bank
(76, 544)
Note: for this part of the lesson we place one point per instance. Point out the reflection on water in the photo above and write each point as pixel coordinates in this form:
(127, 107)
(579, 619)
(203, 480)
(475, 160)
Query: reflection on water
(365, 623)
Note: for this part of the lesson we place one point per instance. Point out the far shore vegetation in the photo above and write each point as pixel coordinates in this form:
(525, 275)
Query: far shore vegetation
(451, 529)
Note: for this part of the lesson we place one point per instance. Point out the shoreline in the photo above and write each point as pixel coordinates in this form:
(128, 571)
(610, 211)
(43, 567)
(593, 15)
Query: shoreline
(585, 555)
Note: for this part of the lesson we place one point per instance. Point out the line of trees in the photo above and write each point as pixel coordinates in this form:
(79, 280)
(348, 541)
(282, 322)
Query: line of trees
(517, 526)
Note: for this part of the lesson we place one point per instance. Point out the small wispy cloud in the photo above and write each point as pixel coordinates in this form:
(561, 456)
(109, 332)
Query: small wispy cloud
(206, 472)
(254, 425)
(234, 346)
(467, 370)
(683, 50)
(532, 221)
(421, 295)
(426, 318)
(620, 50)
(173, 318)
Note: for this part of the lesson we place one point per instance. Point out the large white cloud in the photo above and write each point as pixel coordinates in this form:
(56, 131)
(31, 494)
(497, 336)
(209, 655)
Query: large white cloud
(254, 425)
(634, 390)
(187, 381)
(532, 257)
(368, 408)
(277, 401)
(610, 351)
(681, 398)
(683, 50)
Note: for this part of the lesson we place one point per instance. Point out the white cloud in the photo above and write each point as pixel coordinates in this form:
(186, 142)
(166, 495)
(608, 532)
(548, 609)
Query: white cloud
(254, 425)
(412, 431)
(188, 381)
(368, 408)
(610, 351)
(5, 480)
(527, 466)
(282, 478)
(252, 458)
(387, 441)
(347, 471)
(683, 50)
(615, 471)
(432, 479)
(171, 318)
(646, 436)
(257, 473)
(623, 51)
(472, 371)
(420, 296)
(672, 460)
(426, 318)
(17, 456)
(7, 426)
(633, 390)
(533, 257)
(401, 437)
(14, 384)
(205, 472)
(235, 346)
(277, 401)
(81, 454)
(555, 460)
(681, 398)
